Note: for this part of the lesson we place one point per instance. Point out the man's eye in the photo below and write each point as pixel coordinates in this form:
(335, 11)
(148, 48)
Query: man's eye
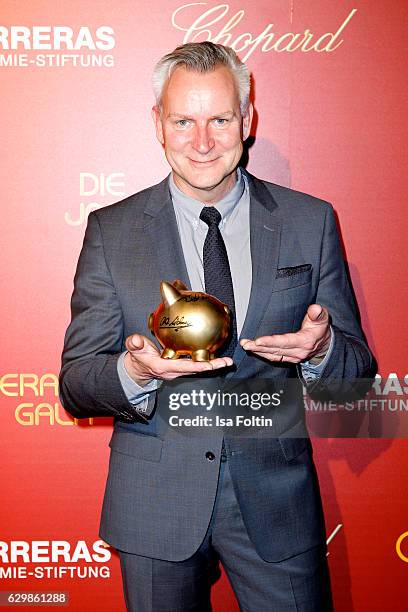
(220, 121)
(182, 122)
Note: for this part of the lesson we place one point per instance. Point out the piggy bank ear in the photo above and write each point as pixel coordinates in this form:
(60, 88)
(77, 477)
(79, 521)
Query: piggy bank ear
(178, 284)
(226, 309)
(169, 294)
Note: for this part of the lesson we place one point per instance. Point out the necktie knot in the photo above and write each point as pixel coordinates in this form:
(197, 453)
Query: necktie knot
(210, 215)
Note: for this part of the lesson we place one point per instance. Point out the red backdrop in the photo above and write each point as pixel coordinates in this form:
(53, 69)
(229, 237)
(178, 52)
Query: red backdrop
(76, 135)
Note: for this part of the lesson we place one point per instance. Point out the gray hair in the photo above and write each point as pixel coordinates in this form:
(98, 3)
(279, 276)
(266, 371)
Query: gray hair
(202, 57)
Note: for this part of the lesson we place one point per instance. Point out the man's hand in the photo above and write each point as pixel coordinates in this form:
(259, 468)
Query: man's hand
(311, 342)
(143, 362)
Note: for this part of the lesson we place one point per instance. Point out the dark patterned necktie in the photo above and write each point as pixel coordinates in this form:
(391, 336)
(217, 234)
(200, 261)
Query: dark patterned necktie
(217, 273)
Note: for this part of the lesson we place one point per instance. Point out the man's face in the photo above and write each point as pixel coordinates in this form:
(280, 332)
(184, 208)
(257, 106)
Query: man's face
(201, 129)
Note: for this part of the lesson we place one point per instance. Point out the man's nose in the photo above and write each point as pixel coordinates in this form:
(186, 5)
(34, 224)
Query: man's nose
(203, 141)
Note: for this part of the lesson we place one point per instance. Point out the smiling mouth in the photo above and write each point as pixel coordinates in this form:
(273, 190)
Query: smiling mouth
(203, 163)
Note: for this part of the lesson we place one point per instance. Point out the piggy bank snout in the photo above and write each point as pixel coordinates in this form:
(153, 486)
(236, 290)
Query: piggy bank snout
(150, 322)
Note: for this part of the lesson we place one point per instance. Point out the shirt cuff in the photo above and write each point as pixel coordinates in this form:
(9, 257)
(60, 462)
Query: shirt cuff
(310, 371)
(134, 392)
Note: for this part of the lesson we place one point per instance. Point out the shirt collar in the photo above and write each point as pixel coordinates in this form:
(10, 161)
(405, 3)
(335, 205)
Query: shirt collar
(191, 208)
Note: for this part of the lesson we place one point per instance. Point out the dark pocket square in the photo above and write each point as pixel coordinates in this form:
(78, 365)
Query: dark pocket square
(283, 272)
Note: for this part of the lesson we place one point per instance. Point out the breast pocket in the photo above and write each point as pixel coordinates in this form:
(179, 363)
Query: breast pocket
(291, 296)
(289, 278)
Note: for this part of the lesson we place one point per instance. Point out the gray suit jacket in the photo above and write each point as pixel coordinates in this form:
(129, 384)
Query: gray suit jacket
(161, 486)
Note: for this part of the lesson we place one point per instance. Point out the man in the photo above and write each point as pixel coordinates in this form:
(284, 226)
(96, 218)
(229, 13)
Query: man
(175, 505)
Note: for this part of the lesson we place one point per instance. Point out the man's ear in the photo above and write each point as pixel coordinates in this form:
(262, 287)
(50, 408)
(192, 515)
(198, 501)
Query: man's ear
(247, 121)
(158, 124)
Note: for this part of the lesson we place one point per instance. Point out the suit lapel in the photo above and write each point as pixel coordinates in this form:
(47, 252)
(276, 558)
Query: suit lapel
(162, 231)
(265, 232)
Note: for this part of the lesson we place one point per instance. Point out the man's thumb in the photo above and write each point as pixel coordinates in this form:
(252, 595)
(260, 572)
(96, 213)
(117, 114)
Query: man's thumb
(134, 343)
(316, 313)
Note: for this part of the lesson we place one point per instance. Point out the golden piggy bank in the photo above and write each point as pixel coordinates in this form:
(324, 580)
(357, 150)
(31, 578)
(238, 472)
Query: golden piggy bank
(189, 323)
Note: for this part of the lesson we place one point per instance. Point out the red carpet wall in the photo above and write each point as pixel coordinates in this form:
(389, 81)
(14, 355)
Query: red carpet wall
(76, 135)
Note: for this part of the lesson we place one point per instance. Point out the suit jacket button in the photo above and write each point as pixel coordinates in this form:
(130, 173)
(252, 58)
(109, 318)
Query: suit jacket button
(210, 456)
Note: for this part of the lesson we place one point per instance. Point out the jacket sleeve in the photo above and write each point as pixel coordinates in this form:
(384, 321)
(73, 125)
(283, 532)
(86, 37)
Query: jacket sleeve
(350, 369)
(89, 382)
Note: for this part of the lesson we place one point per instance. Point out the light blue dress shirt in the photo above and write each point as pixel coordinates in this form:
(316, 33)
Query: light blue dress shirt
(234, 228)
